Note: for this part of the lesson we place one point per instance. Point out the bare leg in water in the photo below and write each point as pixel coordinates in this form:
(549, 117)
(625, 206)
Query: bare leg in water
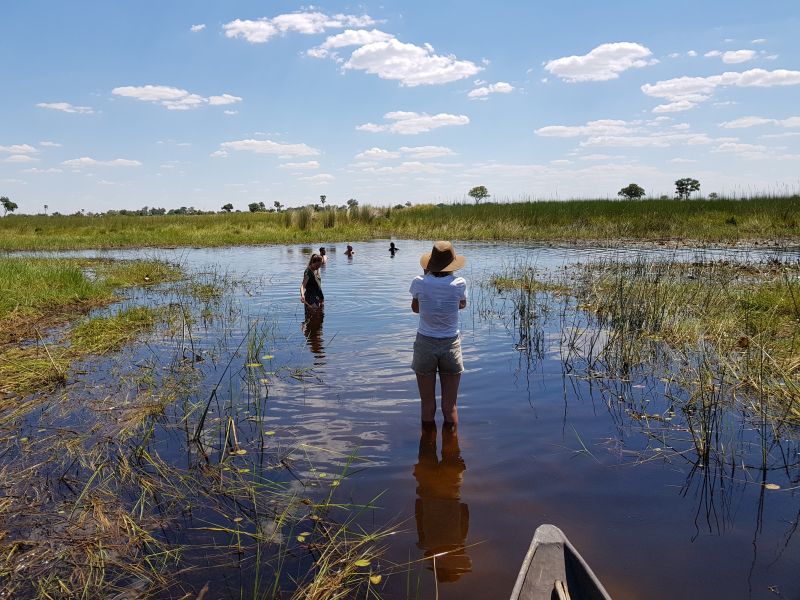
(427, 394)
(450, 397)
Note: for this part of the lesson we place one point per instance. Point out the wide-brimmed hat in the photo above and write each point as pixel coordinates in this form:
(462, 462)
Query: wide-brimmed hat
(442, 258)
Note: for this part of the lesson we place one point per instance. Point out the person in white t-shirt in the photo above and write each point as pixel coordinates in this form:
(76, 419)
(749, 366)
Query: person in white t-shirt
(437, 297)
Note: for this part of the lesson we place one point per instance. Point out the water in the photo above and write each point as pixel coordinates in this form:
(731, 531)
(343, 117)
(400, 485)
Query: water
(536, 443)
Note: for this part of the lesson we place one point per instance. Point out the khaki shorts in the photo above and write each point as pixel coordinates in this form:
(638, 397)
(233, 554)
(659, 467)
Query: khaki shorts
(432, 354)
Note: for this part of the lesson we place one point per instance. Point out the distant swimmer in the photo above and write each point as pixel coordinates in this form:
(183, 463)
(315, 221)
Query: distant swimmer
(349, 252)
(324, 256)
(392, 249)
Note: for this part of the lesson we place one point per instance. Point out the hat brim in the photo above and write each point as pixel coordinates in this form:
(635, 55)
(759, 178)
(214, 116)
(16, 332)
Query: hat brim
(457, 263)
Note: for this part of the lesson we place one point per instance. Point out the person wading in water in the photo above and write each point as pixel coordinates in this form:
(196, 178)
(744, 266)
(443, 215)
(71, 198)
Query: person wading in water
(437, 297)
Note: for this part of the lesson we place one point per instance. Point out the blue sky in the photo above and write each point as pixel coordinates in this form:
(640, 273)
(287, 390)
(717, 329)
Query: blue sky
(124, 104)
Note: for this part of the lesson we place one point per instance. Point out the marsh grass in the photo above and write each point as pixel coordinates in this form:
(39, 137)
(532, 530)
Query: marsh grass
(773, 219)
(734, 321)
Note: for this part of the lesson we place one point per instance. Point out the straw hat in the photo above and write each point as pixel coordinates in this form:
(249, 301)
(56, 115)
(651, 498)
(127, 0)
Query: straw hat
(442, 258)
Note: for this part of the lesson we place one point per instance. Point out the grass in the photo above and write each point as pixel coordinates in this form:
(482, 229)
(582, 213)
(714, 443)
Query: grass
(30, 368)
(38, 293)
(759, 219)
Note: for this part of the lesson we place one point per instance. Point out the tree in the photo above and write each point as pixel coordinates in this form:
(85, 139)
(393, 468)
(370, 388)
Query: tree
(8, 205)
(45, 209)
(632, 192)
(257, 207)
(278, 206)
(684, 188)
(352, 203)
(478, 193)
(228, 207)
(323, 199)
(713, 196)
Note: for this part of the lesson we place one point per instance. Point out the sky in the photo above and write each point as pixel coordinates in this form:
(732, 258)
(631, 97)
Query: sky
(124, 104)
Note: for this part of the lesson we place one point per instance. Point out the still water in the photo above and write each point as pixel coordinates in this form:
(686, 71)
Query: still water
(537, 441)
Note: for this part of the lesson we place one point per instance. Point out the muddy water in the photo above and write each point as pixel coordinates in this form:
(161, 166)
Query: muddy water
(538, 441)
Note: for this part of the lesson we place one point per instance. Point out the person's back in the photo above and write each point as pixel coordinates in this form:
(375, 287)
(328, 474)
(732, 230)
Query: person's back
(439, 299)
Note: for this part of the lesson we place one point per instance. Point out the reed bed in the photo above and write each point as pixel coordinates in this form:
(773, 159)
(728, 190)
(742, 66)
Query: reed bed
(771, 219)
(696, 362)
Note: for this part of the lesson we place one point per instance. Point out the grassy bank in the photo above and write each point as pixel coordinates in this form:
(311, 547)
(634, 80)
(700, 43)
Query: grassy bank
(38, 293)
(774, 219)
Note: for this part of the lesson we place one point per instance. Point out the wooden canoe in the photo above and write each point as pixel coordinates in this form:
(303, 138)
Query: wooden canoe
(553, 570)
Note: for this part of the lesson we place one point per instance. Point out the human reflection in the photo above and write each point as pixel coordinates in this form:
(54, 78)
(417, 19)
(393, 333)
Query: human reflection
(312, 330)
(442, 519)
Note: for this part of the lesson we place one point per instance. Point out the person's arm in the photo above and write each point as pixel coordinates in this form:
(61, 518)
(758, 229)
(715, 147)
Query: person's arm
(415, 305)
(462, 303)
(303, 288)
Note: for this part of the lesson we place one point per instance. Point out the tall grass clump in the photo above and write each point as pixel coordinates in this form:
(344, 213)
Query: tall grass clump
(304, 217)
(329, 219)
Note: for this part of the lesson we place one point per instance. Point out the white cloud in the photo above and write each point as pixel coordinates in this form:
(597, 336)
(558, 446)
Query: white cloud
(758, 41)
(320, 179)
(684, 93)
(750, 151)
(49, 144)
(733, 57)
(377, 154)
(411, 123)
(777, 136)
(755, 121)
(426, 151)
(223, 100)
(300, 166)
(19, 149)
(501, 87)
(601, 157)
(712, 54)
(172, 98)
(680, 161)
(673, 55)
(20, 158)
(266, 147)
(409, 64)
(605, 62)
(36, 170)
(67, 108)
(85, 161)
(261, 30)
(408, 168)
(600, 127)
(198, 27)
(230, 112)
(691, 53)
(561, 162)
(349, 37)
(745, 122)
(412, 152)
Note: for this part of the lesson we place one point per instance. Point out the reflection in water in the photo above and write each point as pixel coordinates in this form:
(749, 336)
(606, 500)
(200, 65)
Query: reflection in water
(442, 519)
(312, 330)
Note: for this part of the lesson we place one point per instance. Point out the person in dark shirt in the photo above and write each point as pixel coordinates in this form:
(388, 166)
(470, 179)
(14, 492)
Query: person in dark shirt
(311, 289)
(392, 249)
